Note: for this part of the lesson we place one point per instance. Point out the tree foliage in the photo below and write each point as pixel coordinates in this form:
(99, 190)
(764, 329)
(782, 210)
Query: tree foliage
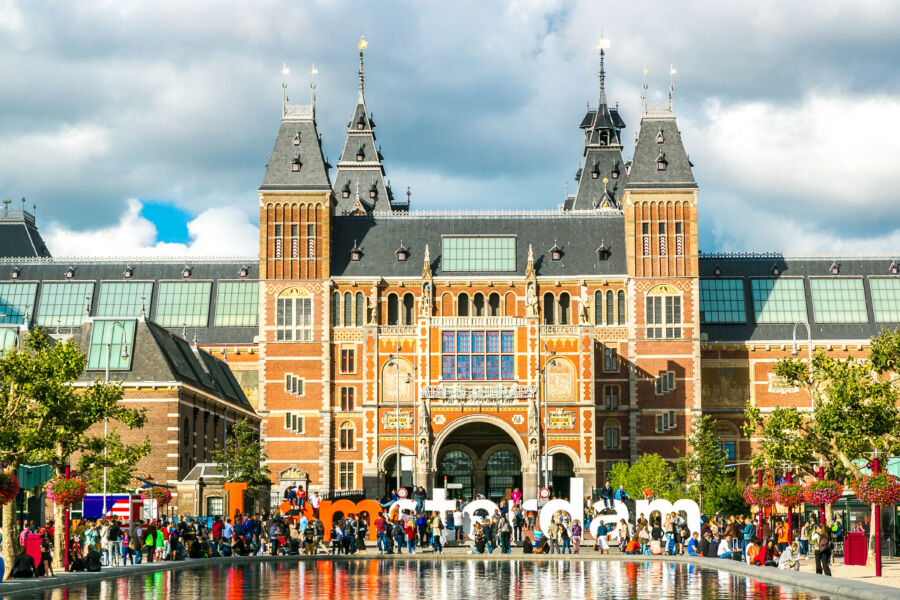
(120, 460)
(242, 456)
(650, 472)
(724, 496)
(704, 465)
(854, 411)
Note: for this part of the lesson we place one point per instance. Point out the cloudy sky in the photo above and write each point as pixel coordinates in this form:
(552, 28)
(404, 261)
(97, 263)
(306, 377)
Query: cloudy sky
(145, 127)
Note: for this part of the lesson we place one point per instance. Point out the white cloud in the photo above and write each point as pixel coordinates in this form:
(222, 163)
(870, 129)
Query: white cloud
(214, 232)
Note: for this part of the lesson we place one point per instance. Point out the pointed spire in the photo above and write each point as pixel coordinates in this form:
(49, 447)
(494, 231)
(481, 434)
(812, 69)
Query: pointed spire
(672, 72)
(284, 74)
(427, 255)
(363, 44)
(602, 46)
(312, 84)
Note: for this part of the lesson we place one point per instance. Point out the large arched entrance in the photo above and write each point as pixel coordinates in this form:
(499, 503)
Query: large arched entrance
(479, 458)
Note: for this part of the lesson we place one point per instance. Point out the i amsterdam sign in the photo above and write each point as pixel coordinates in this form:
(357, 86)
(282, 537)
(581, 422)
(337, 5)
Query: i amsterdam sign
(462, 394)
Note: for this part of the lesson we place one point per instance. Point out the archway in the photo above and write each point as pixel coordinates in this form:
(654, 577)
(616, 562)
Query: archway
(480, 456)
(563, 469)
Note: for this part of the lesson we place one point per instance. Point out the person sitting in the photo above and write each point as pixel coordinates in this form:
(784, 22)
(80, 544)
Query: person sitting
(790, 558)
(213, 550)
(23, 566)
(44, 567)
(224, 548)
(293, 546)
(633, 547)
(527, 546)
(710, 546)
(693, 545)
(92, 562)
(771, 553)
(196, 549)
(239, 548)
(725, 547)
(755, 553)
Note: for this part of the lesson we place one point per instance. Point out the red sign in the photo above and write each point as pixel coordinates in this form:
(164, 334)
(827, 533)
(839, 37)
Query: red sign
(402, 493)
(545, 493)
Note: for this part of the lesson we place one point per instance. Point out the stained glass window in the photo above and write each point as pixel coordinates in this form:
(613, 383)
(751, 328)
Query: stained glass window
(16, 299)
(722, 301)
(477, 355)
(183, 304)
(838, 300)
(886, 299)
(778, 300)
(119, 334)
(237, 303)
(479, 253)
(123, 299)
(447, 339)
(64, 304)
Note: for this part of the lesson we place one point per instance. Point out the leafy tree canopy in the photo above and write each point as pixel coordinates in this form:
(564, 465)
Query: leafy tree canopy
(242, 456)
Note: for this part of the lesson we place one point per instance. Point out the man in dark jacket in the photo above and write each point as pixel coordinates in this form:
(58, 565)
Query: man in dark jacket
(92, 560)
(23, 565)
(606, 494)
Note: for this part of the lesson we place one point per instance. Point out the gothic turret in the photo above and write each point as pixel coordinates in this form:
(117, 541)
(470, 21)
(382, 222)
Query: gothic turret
(601, 181)
(359, 185)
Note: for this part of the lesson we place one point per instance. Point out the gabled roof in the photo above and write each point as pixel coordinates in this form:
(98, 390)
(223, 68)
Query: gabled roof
(644, 171)
(19, 236)
(297, 138)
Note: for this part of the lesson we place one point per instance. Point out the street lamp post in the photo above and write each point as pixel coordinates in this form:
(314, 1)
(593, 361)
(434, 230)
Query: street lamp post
(877, 521)
(820, 472)
(795, 350)
(545, 449)
(395, 358)
(109, 332)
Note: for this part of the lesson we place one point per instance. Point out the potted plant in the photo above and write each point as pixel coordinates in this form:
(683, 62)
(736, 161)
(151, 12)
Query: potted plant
(9, 487)
(67, 492)
(879, 488)
(760, 495)
(789, 494)
(162, 495)
(823, 492)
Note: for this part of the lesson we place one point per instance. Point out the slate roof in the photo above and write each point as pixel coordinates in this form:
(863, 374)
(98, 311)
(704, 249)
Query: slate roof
(98, 270)
(761, 266)
(161, 356)
(578, 234)
(644, 172)
(297, 122)
(19, 235)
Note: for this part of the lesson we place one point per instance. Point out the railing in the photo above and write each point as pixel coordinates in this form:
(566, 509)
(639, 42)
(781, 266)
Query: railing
(560, 330)
(498, 214)
(477, 322)
(395, 330)
(297, 111)
(663, 109)
(16, 216)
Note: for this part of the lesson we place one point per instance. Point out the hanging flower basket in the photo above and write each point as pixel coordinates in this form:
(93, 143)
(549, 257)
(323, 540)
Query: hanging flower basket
(823, 492)
(789, 494)
(760, 496)
(66, 491)
(880, 488)
(162, 495)
(9, 487)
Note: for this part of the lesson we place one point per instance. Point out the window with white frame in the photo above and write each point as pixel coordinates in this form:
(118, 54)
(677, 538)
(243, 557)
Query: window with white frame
(665, 422)
(663, 317)
(347, 398)
(293, 319)
(347, 434)
(294, 422)
(293, 384)
(346, 474)
(665, 382)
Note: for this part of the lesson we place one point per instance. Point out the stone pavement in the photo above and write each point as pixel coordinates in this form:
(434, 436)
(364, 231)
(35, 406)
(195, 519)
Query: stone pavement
(847, 582)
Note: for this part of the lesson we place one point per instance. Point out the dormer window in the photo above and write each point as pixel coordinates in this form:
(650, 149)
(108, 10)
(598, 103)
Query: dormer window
(373, 191)
(615, 171)
(345, 191)
(659, 137)
(595, 172)
(297, 139)
(361, 123)
(186, 272)
(70, 272)
(360, 155)
(295, 164)
(402, 253)
(661, 162)
(834, 269)
(603, 251)
(717, 271)
(556, 252)
(355, 252)
(776, 270)
(893, 270)
(128, 272)
(243, 272)
(15, 273)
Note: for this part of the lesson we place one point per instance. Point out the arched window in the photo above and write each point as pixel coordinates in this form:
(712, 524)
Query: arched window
(494, 305)
(609, 308)
(335, 309)
(621, 313)
(393, 312)
(549, 309)
(360, 309)
(408, 309)
(598, 308)
(611, 436)
(462, 308)
(347, 434)
(348, 309)
(478, 305)
(564, 309)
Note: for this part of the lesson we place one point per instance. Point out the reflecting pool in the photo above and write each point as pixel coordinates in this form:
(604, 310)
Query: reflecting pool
(439, 580)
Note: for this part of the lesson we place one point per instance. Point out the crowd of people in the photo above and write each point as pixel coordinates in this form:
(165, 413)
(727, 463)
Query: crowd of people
(110, 543)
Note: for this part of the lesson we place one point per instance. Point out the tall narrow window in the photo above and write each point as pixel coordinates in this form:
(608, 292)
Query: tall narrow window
(335, 309)
(348, 309)
(662, 239)
(494, 305)
(645, 241)
(609, 308)
(311, 240)
(293, 319)
(663, 317)
(408, 309)
(679, 239)
(621, 311)
(598, 307)
(564, 309)
(393, 311)
(347, 432)
(610, 360)
(348, 397)
(360, 309)
(462, 308)
(611, 397)
(478, 305)
(549, 309)
(348, 360)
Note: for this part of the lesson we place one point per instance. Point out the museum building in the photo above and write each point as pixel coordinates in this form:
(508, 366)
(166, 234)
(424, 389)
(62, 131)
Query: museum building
(461, 347)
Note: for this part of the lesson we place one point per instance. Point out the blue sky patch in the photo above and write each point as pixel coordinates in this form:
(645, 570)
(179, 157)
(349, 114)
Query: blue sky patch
(171, 221)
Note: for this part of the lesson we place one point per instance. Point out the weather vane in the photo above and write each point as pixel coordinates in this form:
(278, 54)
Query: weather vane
(284, 73)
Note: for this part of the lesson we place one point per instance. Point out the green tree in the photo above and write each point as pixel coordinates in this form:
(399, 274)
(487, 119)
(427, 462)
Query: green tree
(725, 496)
(704, 465)
(120, 461)
(242, 456)
(650, 472)
(44, 418)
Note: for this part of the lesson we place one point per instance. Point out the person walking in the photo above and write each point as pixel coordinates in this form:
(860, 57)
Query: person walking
(823, 547)
(437, 531)
(504, 529)
(577, 534)
(113, 537)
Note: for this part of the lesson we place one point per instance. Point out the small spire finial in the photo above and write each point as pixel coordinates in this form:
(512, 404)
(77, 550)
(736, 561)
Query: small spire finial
(408, 194)
(530, 253)
(427, 254)
(602, 45)
(644, 85)
(284, 73)
(363, 44)
(312, 84)
(672, 72)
